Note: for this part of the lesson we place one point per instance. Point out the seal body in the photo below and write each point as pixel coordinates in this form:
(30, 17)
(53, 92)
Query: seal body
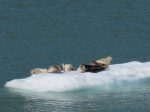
(54, 69)
(38, 71)
(68, 67)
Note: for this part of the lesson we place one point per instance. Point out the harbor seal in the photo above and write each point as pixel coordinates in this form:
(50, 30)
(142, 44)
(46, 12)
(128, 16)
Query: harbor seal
(54, 69)
(68, 67)
(38, 71)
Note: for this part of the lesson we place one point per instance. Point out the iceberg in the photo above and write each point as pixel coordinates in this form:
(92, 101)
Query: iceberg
(74, 80)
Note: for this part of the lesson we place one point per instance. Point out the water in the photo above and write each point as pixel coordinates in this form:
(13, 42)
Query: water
(41, 33)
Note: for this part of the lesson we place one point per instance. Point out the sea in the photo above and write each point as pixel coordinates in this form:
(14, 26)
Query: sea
(39, 33)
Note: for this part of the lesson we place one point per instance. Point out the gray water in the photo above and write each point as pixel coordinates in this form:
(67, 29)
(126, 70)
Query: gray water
(40, 33)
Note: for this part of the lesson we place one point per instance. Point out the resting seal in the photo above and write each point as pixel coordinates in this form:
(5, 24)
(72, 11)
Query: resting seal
(38, 71)
(68, 67)
(54, 69)
(105, 61)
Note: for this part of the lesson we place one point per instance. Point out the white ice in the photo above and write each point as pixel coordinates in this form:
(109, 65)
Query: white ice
(75, 80)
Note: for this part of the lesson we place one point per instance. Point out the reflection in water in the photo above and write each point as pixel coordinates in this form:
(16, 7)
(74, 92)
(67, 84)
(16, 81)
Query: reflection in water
(83, 100)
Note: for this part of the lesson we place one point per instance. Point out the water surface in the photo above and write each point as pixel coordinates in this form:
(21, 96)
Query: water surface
(41, 33)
